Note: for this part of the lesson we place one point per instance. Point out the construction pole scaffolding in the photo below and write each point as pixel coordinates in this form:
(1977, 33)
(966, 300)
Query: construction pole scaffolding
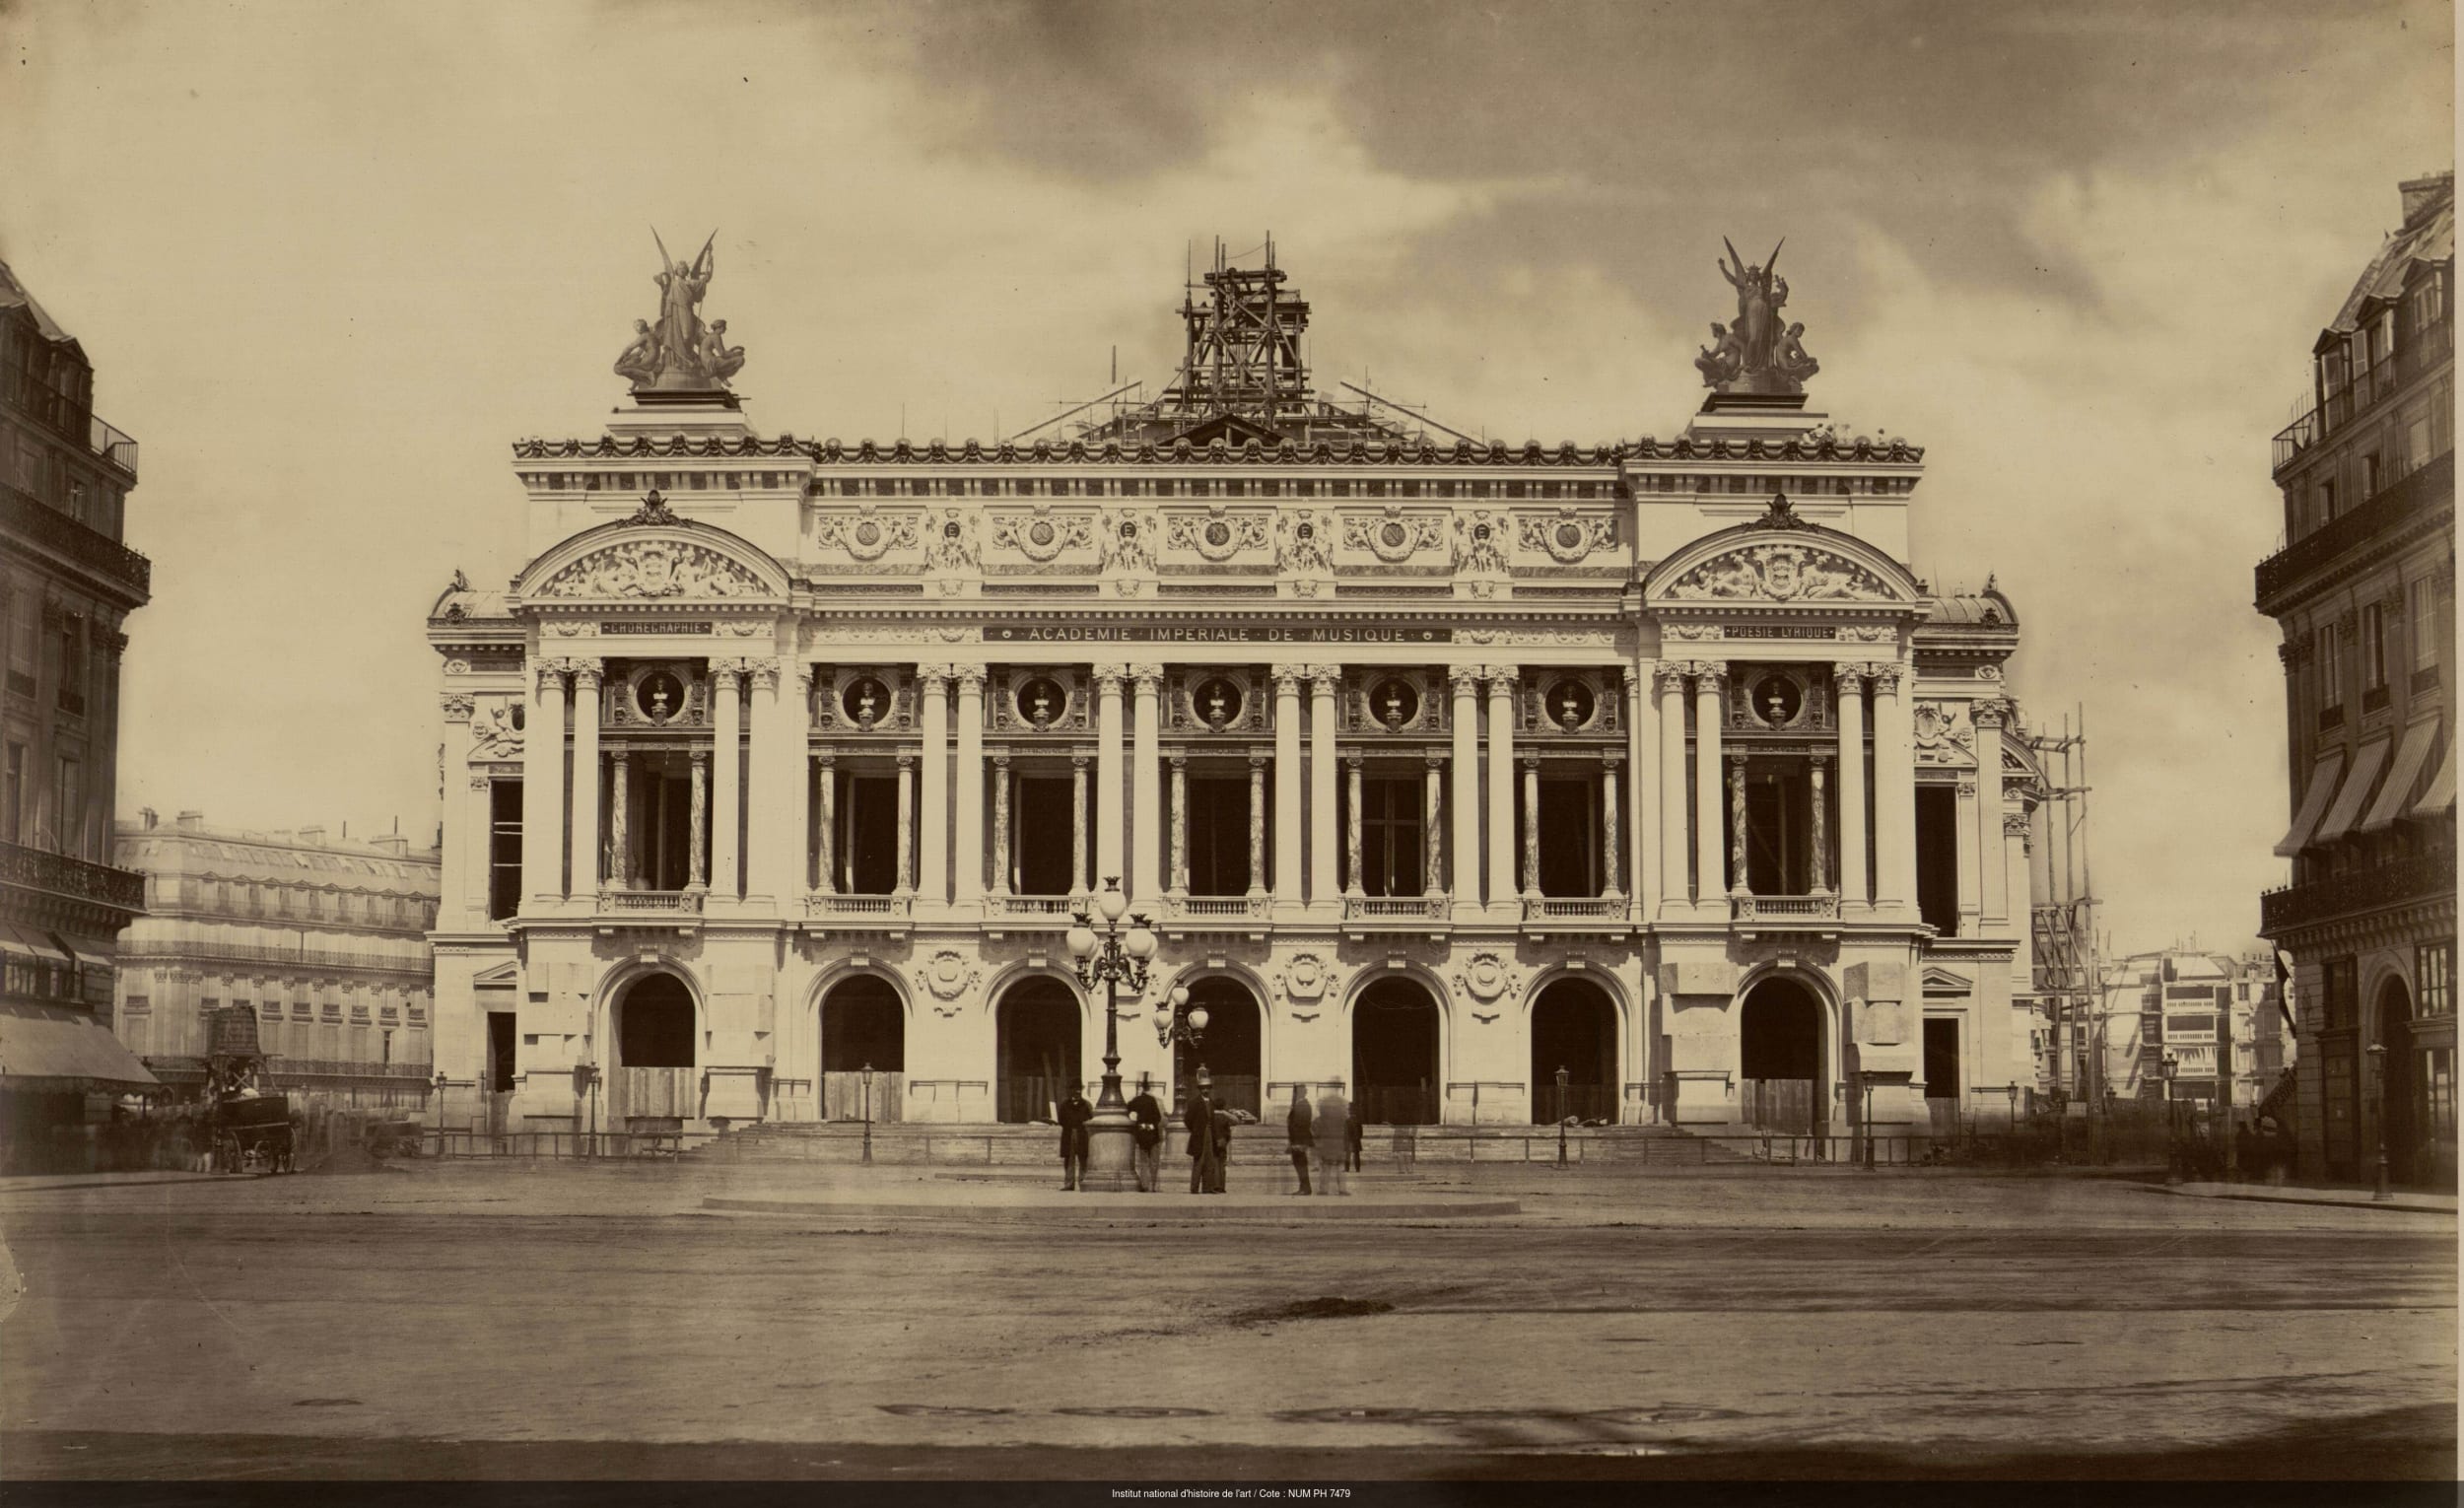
(2069, 979)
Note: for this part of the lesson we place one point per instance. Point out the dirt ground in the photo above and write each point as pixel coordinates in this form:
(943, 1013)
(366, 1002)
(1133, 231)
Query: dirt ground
(478, 1322)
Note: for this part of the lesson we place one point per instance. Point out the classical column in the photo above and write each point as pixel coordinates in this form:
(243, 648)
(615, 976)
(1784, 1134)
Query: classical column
(620, 870)
(1080, 884)
(1530, 827)
(1642, 717)
(1323, 883)
(796, 775)
(825, 862)
(1287, 785)
(1612, 775)
(1739, 884)
(543, 784)
(1179, 825)
(1145, 782)
(1107, 852)
(2015, 864)
(932, 839)
(1971, 858)
(1000, 823)
(698, 831)
(1990, 718)
(773, 791)
(907, 824)
(1352, 828)
(1669, 685)
(1848, 685)
(1433, 845)
(969, 777)
(1501, 849)
(586, 850)
(1710, 877)
(1819, 848)
(1895, 790)
(726, 738)
(463, 877)
(1256, 825)
(1464, 682)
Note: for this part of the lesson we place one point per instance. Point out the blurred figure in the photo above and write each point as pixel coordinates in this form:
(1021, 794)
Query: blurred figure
(1146, 1136)
(1200, 1119)
(1334, 1122)
(1352, 1143)
(1298, 1136)
(1075, 1111)
(1222, 1165)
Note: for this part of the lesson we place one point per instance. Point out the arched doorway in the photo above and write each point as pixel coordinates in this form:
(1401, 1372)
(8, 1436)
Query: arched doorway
(1232, 1050)
(2403, 1108)
(654, 1086)
(864, 1025)
(1035, 1051)
(1395, 1057)
(1574, 1027)
(1780, 1058)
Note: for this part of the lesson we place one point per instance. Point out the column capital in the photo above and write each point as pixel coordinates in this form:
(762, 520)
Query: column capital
(700, 758)
(1466, 680)
(1850, 674)
(828, 758)
(933, 678)
(1001, 759)
(1501, 679)
(1178, 759)
(907, 759)
(1076, 761)
(1737, 762)
(970, 679)
(1528, 761)
(1325, 678)
(728, 673)
(1287, 679)
(763, 669)
(1354, 758)
(1257, 761)
(2016, 824)
(1439, 759)
(482, 781)
(1992, 711)
(1668, 677)
(587, 672)
(456, 706)
(1613, 759)
(1108, 680)
(1147, 677)
(804, 683)
(1967, 790)
(1888, 679)
(1634, 677)
(1708, 669)
(551, 674)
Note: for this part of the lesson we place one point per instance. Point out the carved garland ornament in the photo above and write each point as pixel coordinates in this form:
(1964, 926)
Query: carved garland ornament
(1219, 534)
(653, 569)
(948, 974)
(1305, 978)
(1570, 536)
(867, 534)
(1041, 535)
(1393, 537)
(1486, 976)
(1777, 573)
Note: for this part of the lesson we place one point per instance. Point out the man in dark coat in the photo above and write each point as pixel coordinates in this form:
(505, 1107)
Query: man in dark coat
(1075, 1111)
(1299, 1133)
(1222, 1119)
(1146, 1136)
(1200, 1119)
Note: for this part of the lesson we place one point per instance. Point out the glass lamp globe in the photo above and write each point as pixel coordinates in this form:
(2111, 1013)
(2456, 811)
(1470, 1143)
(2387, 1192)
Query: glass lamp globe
(1112, 903)
(1197, 1020)
(1140, 942)
(1082, 940)
(1180, 994)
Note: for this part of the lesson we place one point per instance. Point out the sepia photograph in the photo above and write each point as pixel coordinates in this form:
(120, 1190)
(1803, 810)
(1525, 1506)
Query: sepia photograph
(1093, 751)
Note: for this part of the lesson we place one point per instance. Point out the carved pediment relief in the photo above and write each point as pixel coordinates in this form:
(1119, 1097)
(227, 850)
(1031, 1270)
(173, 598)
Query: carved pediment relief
(653, 569)
(1779, 573)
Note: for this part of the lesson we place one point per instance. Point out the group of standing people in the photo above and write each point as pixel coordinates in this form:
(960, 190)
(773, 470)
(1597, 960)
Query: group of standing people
(1329, 1135)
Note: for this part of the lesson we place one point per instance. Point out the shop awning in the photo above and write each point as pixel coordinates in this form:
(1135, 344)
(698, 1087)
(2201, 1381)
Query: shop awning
(2313, 804)
(51, 1050)
(2356, 789)
(2441, 793)
(2411, 755)
(26, 942)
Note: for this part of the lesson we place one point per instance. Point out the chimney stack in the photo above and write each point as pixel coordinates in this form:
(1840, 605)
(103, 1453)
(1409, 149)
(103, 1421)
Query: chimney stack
(146, 816)
(312, 837)
(190, 821)
(2423, 194)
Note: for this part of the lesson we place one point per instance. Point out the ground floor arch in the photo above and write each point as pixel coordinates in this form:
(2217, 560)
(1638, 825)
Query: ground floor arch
(1781, 1058)
(1396, 1027)
(1574, 1027)
(863, 1050)
(1037, 1030)
(1232, 1048)
(2408, 1117)
(653, 1083)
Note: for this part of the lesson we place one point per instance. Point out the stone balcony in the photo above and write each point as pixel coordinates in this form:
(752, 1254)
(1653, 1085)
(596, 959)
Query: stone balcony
(835, 911)
(648, 908)
(1366, 913)
(1547, 914)
(1756, 915)
(1028, 913)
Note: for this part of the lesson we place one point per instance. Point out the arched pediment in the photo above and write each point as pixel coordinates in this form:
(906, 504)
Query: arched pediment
(632, 563)
(1791, 565)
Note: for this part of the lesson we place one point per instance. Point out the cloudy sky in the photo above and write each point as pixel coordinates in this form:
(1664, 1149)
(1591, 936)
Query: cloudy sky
(330, 260)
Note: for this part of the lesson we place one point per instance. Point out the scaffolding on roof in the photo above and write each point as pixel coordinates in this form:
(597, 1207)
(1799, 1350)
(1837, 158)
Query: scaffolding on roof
(1244, 375)
(2063, 923)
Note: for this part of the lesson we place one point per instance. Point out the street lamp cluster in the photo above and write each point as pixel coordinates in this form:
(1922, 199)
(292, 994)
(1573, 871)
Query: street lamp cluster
(1115, 957)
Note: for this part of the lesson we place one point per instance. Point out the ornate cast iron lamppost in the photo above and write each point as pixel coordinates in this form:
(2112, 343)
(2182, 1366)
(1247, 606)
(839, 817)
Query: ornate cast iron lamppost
(2172, 1135)
(868, 1113)
(2380, 1193)
(1562, 1077)
(1117, 958)
(1177, 1020)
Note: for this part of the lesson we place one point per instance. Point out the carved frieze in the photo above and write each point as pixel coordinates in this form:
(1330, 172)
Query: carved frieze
(1042, 533)
(868, 533)
(1480, 542)
(653, 569)
(1392, 535)
(1569, 536)
(1218, 533)
(1778, 572)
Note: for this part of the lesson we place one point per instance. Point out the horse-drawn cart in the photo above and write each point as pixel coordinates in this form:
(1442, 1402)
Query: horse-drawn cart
(250, 1127)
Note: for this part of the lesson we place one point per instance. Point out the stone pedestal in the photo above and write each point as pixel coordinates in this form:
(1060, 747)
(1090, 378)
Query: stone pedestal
(1110, 1151)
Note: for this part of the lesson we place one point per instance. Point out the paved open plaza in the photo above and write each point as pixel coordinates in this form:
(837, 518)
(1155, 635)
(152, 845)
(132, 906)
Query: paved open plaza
(543, 1320)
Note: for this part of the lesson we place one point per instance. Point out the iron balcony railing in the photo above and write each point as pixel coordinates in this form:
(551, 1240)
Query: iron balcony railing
(62, 875)
(111, 444)
(2406, 879)
(2420, 351)
(22, 512)
(165, 950)
(2425, 488)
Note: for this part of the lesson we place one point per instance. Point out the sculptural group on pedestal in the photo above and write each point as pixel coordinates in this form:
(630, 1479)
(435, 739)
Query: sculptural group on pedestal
(680, 353)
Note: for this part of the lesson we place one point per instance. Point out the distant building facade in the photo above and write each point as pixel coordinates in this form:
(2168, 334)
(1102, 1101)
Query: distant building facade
(67, 585)
(324, 940)
(2365, 594)
(2186, 1004)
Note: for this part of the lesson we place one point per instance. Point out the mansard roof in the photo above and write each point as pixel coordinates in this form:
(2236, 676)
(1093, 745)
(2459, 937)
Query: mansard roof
(1861, 450)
